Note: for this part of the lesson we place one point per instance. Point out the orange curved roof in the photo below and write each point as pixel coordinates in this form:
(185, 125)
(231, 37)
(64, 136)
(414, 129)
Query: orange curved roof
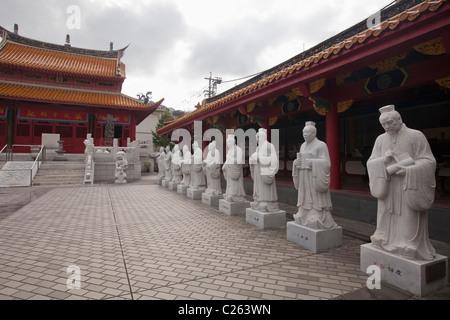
(28, 57)
(389, 24)
(12, 90)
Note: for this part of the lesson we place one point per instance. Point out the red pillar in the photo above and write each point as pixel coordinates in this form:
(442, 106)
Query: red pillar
(132, 115)
(332, 140)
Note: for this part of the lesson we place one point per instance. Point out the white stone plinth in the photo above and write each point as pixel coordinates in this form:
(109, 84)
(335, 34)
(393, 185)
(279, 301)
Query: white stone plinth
(266, 220)
(419, 277)
(233, 208)
(210, 199)
(165, 183)
(315, 240)
(181, 189)
(195, 194)
(173, 186)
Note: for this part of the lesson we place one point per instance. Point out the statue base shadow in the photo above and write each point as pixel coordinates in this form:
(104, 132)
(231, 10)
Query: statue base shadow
(418, 277)
(315, 240)
(173, 185)
(233, 208)
(211, 199)
(266, 220)
(195, 194)
(181, 189)
(165, 183)
(160, 180)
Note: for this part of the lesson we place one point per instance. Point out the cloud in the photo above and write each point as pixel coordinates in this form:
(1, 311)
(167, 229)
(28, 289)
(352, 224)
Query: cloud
(239, 47)
(175, 44)
(151, 30)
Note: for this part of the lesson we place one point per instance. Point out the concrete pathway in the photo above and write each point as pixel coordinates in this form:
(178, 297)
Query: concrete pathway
(141, 241)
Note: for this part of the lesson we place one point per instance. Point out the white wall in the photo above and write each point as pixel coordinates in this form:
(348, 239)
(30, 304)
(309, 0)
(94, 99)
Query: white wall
(145, 128)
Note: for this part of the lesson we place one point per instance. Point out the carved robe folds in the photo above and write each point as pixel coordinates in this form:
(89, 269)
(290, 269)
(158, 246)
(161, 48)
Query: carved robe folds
(405, 191)
(263, 168)
(311, 176)
(233, 173)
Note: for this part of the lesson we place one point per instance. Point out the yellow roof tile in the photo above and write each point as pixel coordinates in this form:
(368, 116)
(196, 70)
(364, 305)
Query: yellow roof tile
(49, 94)
(23, 56)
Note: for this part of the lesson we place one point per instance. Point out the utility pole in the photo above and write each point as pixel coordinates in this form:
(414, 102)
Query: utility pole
(212, 88)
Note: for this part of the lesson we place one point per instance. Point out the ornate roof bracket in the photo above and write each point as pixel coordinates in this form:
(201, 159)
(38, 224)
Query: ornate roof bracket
(344, 105)
(433, 47)
(321, 106)
(315, 86)
(444, 82)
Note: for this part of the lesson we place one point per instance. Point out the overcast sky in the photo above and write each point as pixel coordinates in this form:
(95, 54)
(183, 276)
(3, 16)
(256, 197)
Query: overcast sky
(175, 44)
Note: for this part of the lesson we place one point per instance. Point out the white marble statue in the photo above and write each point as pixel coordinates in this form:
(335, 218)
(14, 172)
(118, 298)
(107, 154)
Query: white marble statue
(167, 161)
(177, 176)
(186, 166)
(160, 162)
(211, 169)
(121, 167)
(263, 168)
(233, 172)
(402, 177)
(198, 179)
(311, 175)
(89, 145)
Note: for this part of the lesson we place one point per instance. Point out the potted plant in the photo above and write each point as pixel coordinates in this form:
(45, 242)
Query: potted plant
(147, 166)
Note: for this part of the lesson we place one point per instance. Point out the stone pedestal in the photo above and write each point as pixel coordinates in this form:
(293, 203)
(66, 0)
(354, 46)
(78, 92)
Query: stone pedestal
(173, 185)
(195, 194)
(266, 220)
(181, 189)
(165, 183)
(419, 277)
(60, 152)
(160, 180)
(209, 199)
(233, 208)
(315, 240)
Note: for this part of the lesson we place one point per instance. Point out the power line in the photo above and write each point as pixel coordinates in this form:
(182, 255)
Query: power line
(253, 75)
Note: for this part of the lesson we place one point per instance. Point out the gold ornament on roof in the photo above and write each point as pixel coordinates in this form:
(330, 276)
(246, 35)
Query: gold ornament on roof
(388, 64)
(317, 85)
(433, 47)
(444, 82)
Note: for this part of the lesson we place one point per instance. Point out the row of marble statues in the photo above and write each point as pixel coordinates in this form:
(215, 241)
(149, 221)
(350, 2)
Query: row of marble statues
(401, 172)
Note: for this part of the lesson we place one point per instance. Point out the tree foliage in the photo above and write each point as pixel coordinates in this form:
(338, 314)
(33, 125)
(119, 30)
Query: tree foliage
(158, 140)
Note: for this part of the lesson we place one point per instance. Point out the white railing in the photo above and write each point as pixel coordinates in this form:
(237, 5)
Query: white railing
(37, 163)
(89, 170)
(9, 157)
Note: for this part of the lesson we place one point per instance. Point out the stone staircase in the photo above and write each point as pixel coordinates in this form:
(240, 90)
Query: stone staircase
(60, 172)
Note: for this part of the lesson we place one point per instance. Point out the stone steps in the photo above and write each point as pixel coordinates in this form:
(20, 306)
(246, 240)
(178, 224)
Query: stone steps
(59, 173)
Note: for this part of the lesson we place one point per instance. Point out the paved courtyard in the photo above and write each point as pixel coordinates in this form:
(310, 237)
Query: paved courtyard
(141, 241)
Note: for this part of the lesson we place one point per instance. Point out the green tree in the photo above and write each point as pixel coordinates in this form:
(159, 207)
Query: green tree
(161, 141)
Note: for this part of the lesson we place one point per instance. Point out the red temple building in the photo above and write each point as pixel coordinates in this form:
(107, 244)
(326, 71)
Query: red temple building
(49, 88)
(342, 82)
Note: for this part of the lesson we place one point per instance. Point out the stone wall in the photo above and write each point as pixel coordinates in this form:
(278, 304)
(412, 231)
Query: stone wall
(105, 171)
